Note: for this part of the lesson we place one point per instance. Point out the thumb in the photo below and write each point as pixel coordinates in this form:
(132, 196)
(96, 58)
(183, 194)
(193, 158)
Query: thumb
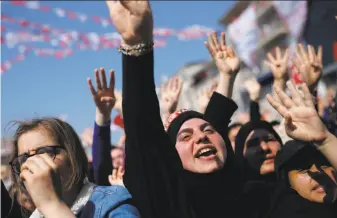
(110, 179)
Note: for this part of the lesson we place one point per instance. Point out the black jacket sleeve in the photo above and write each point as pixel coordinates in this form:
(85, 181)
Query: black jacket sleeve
(152, 166)
(254, 111)
(219, 111)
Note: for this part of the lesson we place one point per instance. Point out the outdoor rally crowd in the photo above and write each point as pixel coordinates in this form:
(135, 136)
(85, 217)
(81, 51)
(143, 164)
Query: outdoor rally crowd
(182, 163)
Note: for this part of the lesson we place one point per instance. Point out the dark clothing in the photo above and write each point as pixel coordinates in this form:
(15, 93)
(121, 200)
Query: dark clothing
(101, 158)
(254, 111)
(153, 170)
(292, 205)
(9, 208)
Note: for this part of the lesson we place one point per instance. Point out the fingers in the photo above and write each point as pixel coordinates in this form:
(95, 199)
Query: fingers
(271, 58)
(98, 81)
(230, 51)
(312, 55)
(91, 87)
(296, 97)
(211, 45)
(278, 53)
(210, 50)
(215, 41)
(30, 166)
(308, 101)
(284, 98)
(112, 80)
(303, 53)
(223, 41)
(103, 82)
(286, 56)
(298, 55)
(120, 172)
(277, 105)
(320, 54)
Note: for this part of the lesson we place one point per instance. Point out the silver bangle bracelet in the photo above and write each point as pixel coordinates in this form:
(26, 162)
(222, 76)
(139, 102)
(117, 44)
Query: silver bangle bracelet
(136, 50)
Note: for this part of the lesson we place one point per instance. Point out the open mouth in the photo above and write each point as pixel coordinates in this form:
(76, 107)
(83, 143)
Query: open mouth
(206, 152)
(318, 188)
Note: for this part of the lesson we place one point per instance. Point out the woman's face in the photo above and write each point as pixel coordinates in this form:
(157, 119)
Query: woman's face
(37, 138)
(200, 147)
(263, 141)
(306, 186)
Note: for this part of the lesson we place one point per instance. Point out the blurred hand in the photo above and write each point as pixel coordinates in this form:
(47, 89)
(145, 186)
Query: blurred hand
(253, 87)
(42, 181)
(116, 178)
(205, 95)
(169, 95)
(301, 119)
(132, 19)
(118, 104)
(224, 56)
(278, 64)
(104, 97)
(309, 64)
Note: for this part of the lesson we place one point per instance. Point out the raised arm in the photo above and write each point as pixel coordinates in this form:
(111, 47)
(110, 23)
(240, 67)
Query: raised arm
(302, 121)
(220, 107)
(254, 88)
(104, 98)
(152, 165)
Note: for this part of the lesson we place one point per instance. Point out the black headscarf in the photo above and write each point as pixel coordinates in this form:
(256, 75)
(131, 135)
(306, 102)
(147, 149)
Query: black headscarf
(251, 168)
(209, 193)
(286, 201)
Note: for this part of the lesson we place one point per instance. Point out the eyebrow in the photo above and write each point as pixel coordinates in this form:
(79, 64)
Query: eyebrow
(188, 130)
(36, 149)
(203, 126)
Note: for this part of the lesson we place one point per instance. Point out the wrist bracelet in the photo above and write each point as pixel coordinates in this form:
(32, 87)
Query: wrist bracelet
(136, 50)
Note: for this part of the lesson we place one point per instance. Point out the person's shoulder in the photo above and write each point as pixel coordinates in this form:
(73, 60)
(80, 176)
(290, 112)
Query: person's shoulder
(110, 201)
(113, 193)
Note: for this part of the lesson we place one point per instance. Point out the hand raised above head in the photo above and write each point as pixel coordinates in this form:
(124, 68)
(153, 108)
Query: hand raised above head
(104, 97)
(309, 64)
(278, 64)
(224, 56)
(133, 20)
(302, 121)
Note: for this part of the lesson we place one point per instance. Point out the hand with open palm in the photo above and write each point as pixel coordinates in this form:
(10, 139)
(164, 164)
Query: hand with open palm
(278, 64)
(169, 94)
(224, 56)
(132, 19)
(104, 97)
(302, 121)
(309, 64)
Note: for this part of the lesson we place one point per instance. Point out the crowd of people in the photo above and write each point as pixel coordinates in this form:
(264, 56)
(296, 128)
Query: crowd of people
(179, 163)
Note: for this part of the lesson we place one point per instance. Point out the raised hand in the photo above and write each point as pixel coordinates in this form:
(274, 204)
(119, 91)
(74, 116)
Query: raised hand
(169, 94)
(278, 64)
(205, 95)
(132, 19)
(224, 56)
(104, 97)
(309, 64)
(253, 87)
(301, 119)
(118, 104)
(116, 178)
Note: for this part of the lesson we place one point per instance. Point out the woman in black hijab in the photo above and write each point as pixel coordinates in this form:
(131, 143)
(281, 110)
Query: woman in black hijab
(307, 183)
(256, 146)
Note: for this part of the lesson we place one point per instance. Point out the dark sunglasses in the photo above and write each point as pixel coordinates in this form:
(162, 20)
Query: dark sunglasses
(51, 151)
(256, 141)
